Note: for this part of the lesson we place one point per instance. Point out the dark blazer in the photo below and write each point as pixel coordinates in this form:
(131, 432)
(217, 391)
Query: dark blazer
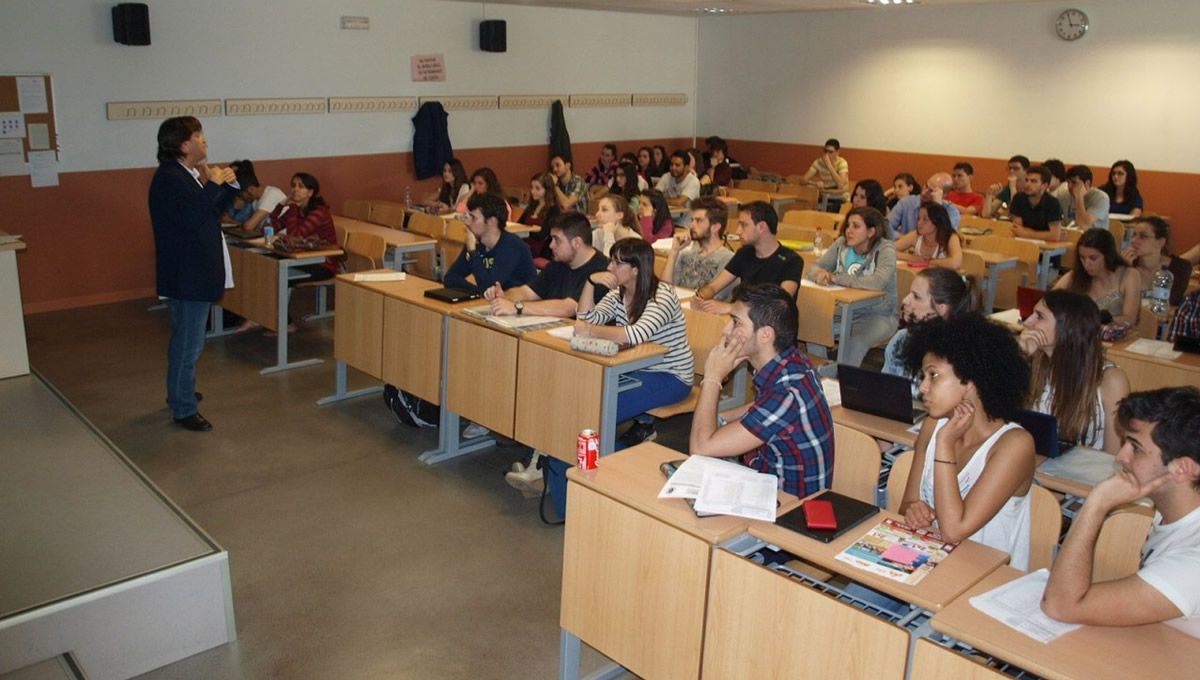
(431, 140)
(186, 217)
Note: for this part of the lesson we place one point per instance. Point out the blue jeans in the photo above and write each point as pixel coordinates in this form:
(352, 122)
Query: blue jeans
(658, 389)
(188, 318)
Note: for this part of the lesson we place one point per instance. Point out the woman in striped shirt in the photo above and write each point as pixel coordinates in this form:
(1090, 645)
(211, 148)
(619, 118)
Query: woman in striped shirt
(643, 310)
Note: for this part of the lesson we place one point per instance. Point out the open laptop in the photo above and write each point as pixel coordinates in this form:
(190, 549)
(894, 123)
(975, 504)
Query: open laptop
(1044, 430)
(880, 394)
(452, 294)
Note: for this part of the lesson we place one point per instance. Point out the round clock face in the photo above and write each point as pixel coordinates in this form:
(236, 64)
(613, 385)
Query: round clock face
(1071, 24)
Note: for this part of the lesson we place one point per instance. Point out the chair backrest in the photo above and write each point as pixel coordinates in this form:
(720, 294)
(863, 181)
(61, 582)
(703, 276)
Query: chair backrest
(795, 232)
(755, 185)
(856, 462)
(703, 333)
(972, 263)
(364, 251)
(341, 234)
(1027, 255)
(904, 281)
(814, 219)
(1071, 257)
(427, 225)
(387, 214)
(1119, 545)
(1147, 324)
(517, 195)
(845, 208)
(745, 196)
(994, 227)
(807, 196)
(794, 179)
(815, 322)
(1118, 229)
(1045, 526)
(357, 208)
(898, 479)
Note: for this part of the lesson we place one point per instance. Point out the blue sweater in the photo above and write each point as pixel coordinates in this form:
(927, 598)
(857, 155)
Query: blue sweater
(509, 263)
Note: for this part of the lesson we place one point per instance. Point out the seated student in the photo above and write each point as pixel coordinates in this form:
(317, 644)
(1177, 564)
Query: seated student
(614, 221)
(972, 467)
(645, 164)
(538, 212)
(830, 173)
(869, 194)
(1086, 206)
(662, 162)
(787, 431)
(935, 294)
(1059, 189)
(602, 173)
(720, 171)
(903, 185)
(640, 309)
(262, 199)
(698, 256)
(1159, 460)
(1103, 275)
(680, 185)
(491, 254)
(570, 190)
(654, 216)
(1150, 250)
(1000, 194)
(1124, 198)
(962, 195)
(904, 215)
(862, 257)
(934, 242)
(484, 181)
(1035, 213)
(454, 189)
(625, 185)
(761, 259)
(1062, 340)
(718, 151)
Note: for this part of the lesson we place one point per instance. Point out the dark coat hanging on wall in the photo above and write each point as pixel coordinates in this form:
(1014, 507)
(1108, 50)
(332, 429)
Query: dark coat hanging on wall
(431, 140)
(560, 139)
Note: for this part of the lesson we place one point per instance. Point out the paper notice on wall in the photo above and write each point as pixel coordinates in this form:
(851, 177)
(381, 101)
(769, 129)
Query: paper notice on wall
(43, 169)
(428, 68)
(31, 93)
(12, 158)
(39, 135)
(12, 125)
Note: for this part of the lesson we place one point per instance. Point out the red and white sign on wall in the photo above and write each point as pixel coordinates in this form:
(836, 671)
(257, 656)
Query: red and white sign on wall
(428, 68)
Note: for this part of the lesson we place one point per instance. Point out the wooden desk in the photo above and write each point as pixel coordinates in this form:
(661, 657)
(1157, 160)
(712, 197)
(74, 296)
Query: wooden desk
(876, 426)
(1147, 373)
(1067, 484)
(399, 242)
(14, 354)
(994, 263)
(819, 304)
(560, 392)
(761, 624)
(260, 293)
(1091, 653)
(636, 568)
(962, 569)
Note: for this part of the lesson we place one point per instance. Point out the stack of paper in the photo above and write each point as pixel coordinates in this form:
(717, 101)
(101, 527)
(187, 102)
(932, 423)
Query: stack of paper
(720, 487)
(833, 391)
(377, 276)
(1018, 604)
(1154, 348)
(813, 284)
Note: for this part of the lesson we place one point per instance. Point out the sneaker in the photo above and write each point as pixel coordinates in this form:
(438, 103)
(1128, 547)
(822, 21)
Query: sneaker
(637, 434)
(474, 431)
(529, 481)
(518, 466)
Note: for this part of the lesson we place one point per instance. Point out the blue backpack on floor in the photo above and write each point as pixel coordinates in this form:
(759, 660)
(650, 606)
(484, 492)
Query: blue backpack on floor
(555, 474)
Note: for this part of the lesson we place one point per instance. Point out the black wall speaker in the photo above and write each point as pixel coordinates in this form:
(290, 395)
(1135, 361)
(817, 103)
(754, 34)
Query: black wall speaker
(131, 23)
(493, 35)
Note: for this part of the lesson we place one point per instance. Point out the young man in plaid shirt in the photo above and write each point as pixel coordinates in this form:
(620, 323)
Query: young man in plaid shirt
(787, 431)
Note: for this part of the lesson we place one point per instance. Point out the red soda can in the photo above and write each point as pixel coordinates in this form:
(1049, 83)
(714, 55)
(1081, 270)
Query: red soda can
(587, 450)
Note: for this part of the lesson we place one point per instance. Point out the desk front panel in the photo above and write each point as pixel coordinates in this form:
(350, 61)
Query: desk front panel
(931, 661)
(358, 328)
(483, 375)
(558, 394)
(255, 295)
(1150, 373)
(762, 624)
(633, 587)
(412, 348)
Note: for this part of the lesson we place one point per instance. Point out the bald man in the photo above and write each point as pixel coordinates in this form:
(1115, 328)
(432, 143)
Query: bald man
(903, 217)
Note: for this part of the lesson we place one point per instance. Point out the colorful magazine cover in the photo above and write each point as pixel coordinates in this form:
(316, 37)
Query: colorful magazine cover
(893, 550)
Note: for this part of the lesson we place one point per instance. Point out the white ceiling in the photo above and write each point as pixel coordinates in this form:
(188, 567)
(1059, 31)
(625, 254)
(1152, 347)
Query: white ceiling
(695, 7)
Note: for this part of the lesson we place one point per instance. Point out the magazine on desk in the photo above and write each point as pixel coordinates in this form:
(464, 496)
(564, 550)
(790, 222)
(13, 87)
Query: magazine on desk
(513, 322)
(892, 550)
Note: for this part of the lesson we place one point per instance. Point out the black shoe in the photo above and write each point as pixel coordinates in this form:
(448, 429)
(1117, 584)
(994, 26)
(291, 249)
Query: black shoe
(639, 433)
(195, 423)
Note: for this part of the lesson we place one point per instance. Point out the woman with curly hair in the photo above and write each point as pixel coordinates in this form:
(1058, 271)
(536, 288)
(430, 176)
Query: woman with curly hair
(972, 466)
(934, 242)
(1062, 339)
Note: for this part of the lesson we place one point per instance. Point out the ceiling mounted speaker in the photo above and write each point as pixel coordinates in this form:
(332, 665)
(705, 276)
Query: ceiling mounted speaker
(493, 35)
(131, 23)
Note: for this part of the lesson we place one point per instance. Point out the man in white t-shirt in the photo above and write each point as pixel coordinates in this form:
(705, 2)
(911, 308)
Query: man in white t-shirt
(680, 185)
(263, 198)
(1160, 460)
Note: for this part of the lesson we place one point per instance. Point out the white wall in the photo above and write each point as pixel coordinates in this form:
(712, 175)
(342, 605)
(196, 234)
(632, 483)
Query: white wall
(980, 80)
(294, 48)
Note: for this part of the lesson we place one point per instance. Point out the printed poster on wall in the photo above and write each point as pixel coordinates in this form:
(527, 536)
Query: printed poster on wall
(428, 68)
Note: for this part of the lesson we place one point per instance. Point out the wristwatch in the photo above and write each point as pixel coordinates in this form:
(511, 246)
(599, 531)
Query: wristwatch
(520, 308)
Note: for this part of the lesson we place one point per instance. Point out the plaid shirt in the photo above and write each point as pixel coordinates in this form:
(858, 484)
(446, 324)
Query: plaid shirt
(1187, 319)
(792, 419)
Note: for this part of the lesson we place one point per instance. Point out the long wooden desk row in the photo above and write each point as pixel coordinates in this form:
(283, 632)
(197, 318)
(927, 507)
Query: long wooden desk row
(666, 594)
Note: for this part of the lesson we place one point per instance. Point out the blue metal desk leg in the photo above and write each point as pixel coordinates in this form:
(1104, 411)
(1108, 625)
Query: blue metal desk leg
(568, 661)
(340, 393)
(281, 335)
(449, 444)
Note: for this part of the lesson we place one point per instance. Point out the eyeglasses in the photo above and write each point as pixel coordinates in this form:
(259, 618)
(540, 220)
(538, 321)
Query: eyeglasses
(1143, 234)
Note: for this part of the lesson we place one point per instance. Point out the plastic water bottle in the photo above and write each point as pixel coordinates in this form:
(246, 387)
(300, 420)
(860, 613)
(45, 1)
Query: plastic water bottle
(1160, 296)
(269, 235)
(408, 198)
(819, 242)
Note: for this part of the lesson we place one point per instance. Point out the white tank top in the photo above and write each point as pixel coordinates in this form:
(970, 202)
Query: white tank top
(1009, 529)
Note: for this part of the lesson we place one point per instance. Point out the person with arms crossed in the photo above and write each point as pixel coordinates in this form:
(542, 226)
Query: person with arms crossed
(1160, 460)
(700, 255)
(491, 254)
(761, 259)
(787, 431)
(187, 199)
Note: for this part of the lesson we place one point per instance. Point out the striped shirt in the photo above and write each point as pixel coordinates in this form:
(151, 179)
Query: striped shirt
(662, 322)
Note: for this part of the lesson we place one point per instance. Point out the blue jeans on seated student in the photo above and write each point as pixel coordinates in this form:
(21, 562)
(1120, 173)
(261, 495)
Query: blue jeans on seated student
(188, 319)
(657, 389)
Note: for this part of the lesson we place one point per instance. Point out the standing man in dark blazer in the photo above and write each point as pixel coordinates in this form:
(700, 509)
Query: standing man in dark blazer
(187, 199)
